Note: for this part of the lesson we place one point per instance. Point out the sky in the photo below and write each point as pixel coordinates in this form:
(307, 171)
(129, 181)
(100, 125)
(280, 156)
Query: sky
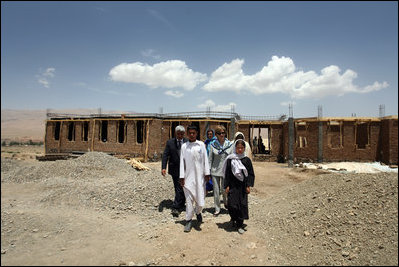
(253, 58)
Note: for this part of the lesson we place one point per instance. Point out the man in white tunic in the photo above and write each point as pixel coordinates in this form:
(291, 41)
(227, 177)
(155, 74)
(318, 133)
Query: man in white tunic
(194, 173)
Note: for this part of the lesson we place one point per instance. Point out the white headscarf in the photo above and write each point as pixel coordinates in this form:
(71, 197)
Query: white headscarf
(236, 165)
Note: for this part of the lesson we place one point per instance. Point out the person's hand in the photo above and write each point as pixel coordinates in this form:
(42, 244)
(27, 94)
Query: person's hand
(248, 190)
(181, 181)
(227, 190)
(163, 172)
(207, 178)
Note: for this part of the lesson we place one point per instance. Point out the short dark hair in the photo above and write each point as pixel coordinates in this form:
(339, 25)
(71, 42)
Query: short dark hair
(192, 127)
(239, 136)
(241, 142)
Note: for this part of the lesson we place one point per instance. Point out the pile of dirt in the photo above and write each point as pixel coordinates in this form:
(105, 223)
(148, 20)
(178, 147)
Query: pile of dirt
(89, 181)
(323, 219)
(334, 219)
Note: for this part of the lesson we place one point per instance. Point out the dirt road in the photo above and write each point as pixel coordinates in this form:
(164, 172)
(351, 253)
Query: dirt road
(35, 231)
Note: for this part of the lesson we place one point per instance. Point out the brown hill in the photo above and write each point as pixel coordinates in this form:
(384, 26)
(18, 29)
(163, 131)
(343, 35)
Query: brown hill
(24, 125)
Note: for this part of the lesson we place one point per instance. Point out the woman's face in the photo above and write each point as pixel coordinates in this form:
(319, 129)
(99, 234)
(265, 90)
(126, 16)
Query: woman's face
(221, 135)
(240, 149)
(210, 135)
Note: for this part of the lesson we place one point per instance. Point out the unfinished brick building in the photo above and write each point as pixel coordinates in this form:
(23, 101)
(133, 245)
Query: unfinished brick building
(145, 135)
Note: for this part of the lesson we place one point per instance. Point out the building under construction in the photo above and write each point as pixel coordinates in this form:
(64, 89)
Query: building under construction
(317, 139)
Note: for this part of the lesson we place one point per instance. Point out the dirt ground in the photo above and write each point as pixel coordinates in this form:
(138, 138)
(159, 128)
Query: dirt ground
(36, 234)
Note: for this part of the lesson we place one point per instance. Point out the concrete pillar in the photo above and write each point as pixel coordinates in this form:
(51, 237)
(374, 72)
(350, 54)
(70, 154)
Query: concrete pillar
(320, 136)
(320, 143)
(290, 142)
(232, 128)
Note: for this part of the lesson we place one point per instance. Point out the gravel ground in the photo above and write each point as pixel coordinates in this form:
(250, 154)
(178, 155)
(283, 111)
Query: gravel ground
(329, 219)
(334, 219)
(89, 181)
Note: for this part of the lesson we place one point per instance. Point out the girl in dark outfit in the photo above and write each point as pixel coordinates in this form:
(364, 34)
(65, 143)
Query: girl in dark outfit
(239, 177)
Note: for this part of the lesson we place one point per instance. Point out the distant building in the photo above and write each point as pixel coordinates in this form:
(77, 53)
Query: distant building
(145, 135)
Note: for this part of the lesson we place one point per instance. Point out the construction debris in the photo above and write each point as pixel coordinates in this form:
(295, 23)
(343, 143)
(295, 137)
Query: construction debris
(138, 165)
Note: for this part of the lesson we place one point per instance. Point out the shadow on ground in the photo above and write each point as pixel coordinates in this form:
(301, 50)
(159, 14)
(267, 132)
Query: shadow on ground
(166, 203)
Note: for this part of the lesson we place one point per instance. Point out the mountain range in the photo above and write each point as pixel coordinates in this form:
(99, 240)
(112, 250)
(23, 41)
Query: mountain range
(25, 125)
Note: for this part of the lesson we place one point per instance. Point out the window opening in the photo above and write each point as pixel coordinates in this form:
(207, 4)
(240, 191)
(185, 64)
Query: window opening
(121, 131)
(260, 139)
(104, 131)
(85, 131)
(301, 132)
(362, 136)
(334, 135)
(140, 131)
(57, 130)
(71, 131)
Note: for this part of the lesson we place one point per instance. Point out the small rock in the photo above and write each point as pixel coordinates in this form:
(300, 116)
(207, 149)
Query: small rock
(306, 233)
(122, 263)
(3, 251)
(345, 253)
(252, 245)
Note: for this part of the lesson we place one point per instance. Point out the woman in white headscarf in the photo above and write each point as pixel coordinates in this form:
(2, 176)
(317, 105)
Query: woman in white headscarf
(239, 177)
(248, 151)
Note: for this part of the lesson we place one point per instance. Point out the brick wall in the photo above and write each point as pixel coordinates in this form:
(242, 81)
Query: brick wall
(345, 141)
(389, 141)
(393, 143)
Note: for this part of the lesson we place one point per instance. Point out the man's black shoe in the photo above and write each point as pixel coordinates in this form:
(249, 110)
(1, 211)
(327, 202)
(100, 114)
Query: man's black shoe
(199, 218)
(175, 213)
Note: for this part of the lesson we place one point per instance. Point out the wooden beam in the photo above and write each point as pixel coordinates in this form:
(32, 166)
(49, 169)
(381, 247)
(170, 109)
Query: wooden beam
(59, 138)
(92, 135)
(147, 141)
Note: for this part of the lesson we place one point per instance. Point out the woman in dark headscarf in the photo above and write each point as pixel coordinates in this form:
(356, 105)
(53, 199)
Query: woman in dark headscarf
(210, 134)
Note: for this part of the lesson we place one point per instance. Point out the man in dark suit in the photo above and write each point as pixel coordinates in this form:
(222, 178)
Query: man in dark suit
(171, 154)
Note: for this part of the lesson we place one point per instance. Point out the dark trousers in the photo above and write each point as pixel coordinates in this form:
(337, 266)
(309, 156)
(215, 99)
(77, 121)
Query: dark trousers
(180, 199)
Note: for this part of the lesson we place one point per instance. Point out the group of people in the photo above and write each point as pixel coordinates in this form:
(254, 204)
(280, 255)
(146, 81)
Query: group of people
(196, 166)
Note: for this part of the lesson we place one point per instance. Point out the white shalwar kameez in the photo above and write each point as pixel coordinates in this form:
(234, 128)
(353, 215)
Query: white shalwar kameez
(194, 166)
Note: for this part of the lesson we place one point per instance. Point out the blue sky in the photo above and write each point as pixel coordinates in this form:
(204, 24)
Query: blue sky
(186, 56)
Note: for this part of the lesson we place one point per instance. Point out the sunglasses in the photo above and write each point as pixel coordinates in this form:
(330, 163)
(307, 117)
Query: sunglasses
(220, 133)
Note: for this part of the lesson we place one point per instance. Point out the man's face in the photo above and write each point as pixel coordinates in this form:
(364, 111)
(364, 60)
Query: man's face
(180, 135)
(192, 135)
(210, 134)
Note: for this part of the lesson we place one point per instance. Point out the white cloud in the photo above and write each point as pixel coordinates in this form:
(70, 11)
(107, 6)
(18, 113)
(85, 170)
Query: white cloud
(208, 103)
(43, 77)
(176, 94)
(169, 74)
(280, 76)
(212, 105)
(150, 53)
(44, 82)
(49, 72)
